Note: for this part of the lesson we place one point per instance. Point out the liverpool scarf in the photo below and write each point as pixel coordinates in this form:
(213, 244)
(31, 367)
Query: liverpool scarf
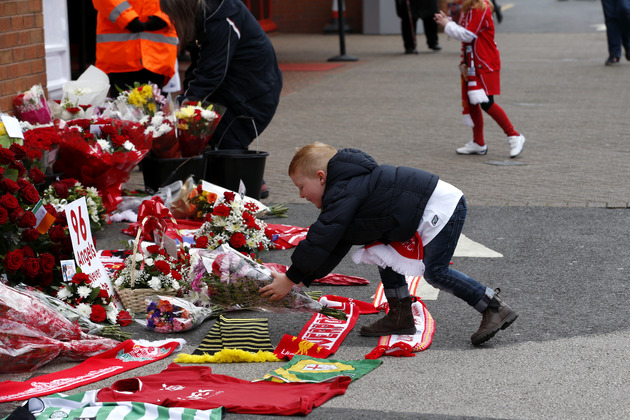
(403, 257)
(311, 369)
(128, 355)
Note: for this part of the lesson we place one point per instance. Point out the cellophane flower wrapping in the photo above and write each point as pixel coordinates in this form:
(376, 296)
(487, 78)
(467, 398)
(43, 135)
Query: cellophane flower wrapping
(31, 106)
(232, 280)
(101, 154)
(33, 334)
(166, 314)
(196, 123)
(161, 129)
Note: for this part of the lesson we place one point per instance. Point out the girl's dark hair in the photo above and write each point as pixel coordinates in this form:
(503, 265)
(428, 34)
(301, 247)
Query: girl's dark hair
(184, 14)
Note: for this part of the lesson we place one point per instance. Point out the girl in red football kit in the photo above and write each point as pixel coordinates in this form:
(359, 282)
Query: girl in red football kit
(480, 68)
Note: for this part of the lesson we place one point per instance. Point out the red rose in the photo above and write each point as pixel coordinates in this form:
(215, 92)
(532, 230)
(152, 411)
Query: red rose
(61, 218)
(98, 313)
(6, 156)
(51, 209)
(18, 151)
(154, 249)
(221, 210)
(61, 189)
(79, 278)
(202, 242)
(29, 194)
(69, 182)
(26, 220)
(4, 216)
(30, 235)
(102, 294)
(124, 318)
(9, 185)
(176, 275)
(47, 262)
(2, 173)
(30, 268)
(13, 260)
(57, 233)
(9, 202)
(15, 214)
(28, 252)
(229, 196)
(238, 240)
(163, 266)
(36, 175)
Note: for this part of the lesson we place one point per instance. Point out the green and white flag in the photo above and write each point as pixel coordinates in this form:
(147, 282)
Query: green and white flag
(310, 369)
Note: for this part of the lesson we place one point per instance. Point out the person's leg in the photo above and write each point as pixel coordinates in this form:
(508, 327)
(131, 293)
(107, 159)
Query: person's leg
(408, 29)
(498, 114)
(624, 20)
(399, 319)
(496, 315)
(477, 146)
(613, 34)
(431, 33)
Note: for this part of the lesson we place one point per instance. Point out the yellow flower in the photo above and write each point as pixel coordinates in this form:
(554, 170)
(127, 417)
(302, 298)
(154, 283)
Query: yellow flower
(186, 112)
(3, 130)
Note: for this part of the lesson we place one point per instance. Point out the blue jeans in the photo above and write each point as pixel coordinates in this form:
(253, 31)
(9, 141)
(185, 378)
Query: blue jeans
(437, 256)
(617, 18)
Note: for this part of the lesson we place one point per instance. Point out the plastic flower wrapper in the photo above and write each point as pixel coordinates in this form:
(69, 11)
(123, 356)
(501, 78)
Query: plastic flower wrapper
(196, 123)
(33, 334)
(101, 154)
(31, 106)
(233, 280)
(41, 144)
(75, 315)
(161, 128)
(142, 99)
(166, 314)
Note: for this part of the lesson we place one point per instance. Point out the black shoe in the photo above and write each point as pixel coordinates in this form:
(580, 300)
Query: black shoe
(612, 61)
(411, 51)
(436, 47)
(497, 316)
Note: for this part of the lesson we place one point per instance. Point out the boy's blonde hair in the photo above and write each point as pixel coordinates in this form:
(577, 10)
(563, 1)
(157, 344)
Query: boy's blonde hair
(474, 4)
(311, 158)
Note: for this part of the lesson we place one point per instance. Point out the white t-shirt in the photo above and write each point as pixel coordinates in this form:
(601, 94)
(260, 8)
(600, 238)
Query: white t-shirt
(438, 210)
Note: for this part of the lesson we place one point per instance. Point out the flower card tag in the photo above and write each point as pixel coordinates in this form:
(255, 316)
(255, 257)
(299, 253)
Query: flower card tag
(12, 125)
(241, 189)
(83, 246)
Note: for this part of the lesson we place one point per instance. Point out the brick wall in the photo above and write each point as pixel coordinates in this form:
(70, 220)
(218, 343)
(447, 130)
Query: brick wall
(22, 49)
(311, 16)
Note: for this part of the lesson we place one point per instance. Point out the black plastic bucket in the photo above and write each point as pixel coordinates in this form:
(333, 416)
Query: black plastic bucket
(226, 168)
(161, 172)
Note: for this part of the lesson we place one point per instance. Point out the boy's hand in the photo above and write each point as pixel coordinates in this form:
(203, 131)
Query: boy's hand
(279, 288)
(441, 19)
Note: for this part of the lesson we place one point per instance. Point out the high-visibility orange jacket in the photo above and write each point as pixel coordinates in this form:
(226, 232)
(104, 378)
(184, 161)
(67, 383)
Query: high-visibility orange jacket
(119, 50)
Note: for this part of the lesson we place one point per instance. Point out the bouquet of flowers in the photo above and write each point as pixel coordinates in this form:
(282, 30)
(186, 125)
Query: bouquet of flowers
(170, 314)
(41, 145)
(142, 99)
(195, 125)
(33, 334)
(152, 272)
(161, 128)
(232, 280)
(101, 154)
(31, 106)
(234, 222)
(68, 110)
(65, 191)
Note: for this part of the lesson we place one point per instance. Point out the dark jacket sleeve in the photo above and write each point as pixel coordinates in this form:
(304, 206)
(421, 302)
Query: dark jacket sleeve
(323, 248)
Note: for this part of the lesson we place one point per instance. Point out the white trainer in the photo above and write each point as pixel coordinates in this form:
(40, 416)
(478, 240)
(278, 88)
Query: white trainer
(472, 148)
(516, 145)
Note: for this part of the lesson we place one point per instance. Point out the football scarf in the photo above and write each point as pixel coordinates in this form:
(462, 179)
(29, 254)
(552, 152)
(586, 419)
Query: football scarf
(233, 340)
(403, 257)
(310, 369)
(406, 345)
(380, 301)
(128, 355)
(85, 406)
(322, 335)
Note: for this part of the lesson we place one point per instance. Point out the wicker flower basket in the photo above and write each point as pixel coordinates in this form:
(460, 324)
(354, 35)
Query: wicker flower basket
(134, 299)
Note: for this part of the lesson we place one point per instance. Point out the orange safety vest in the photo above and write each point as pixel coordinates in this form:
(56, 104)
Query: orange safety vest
(120, 51)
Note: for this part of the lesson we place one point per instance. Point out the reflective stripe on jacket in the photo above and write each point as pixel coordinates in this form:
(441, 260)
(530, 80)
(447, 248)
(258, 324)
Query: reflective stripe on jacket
(119, 50)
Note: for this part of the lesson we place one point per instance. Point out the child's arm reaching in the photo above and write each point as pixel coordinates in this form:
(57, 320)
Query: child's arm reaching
(452, 29)
(279, 288)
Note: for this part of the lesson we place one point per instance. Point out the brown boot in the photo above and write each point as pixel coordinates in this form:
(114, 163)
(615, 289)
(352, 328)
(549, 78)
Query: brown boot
(497, 316)
(399, 320)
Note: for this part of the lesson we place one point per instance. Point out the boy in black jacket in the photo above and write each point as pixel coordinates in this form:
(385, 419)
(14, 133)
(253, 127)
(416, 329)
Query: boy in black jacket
(410, 222)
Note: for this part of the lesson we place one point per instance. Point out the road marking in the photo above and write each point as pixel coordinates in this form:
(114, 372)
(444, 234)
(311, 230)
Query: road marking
(599, 27)
(466, 247)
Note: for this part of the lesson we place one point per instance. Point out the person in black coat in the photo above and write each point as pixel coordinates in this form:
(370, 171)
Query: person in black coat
(233, 64)
(408, 219)
(409, 11)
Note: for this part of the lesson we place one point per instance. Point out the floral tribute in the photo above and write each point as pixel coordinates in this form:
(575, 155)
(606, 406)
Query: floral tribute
(161, 128)
(91, 301)
(146, 99)
(31, 106)
(65, 191)
(101, 153)
(170, 314)
(41, 144)
(195, 125)
(233, 222)
(233, 281)
(154, 270)
(28, 252)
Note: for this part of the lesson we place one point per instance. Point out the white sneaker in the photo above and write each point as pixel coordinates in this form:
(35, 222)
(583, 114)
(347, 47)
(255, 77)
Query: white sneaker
(516, 145)
(472, 148)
